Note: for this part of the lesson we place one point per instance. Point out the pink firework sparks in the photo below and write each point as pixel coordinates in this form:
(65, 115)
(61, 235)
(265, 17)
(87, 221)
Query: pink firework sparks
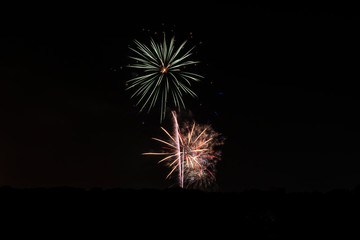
(191, 152)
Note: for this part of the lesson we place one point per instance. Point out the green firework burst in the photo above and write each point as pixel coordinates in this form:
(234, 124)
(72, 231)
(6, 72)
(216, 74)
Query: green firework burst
(162, 76)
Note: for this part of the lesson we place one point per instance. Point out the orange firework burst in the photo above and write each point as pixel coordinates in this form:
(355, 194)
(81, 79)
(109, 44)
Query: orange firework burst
(191, 152)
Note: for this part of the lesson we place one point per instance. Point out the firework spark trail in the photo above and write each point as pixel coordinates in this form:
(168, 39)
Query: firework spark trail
(181, 176)
(192, 152)
(162, 74)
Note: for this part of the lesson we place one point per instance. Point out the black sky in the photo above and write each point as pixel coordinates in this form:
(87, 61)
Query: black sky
(281, 85)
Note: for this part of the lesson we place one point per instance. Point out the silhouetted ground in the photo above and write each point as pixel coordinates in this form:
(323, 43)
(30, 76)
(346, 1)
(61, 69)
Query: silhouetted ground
(175, 212)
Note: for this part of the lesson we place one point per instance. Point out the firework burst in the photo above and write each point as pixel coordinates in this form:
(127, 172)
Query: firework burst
(161, 74)
(191, 153)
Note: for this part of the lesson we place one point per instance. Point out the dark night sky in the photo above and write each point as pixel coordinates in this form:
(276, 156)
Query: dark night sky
(284, 87)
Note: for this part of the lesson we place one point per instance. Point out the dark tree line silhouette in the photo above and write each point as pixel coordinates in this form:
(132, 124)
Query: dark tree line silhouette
(272, 214)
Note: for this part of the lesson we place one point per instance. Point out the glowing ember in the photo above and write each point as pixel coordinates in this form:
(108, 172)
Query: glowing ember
(163, 69)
